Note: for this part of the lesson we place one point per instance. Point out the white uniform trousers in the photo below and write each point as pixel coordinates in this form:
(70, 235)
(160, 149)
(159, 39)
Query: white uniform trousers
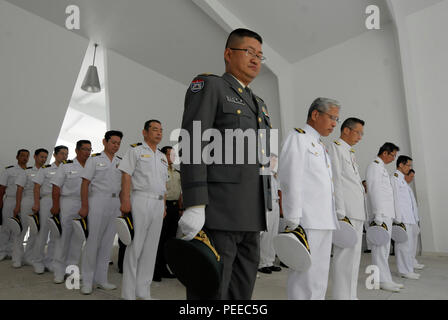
(42, 258)
(140, 256)
(404, 252)
(312, 284)
(101, 224)
(267, 252)
(6, 236)
(68, 247)
(416, 229)
(19, 254)
(345, 267)
(380, 255)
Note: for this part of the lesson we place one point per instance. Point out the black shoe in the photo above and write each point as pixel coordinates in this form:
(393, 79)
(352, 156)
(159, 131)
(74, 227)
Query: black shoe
(157, 278)
(265, 270)
(367, 251)
(275, 268)
(111, 263)
(283, 265)
(120, 271)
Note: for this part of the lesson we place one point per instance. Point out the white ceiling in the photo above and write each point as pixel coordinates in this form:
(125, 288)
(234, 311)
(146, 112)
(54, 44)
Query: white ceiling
(177, 39)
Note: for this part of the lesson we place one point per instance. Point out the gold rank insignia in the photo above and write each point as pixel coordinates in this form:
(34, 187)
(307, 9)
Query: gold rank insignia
(396, 174)
(376, 161)
(300, 131)
(146, 156)
(95, 155)
(136, 145)
(46, 166)
(352, 150)
(337, 142)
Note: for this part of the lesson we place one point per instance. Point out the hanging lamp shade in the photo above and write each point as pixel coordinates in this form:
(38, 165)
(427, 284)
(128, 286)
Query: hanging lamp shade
(91, 81)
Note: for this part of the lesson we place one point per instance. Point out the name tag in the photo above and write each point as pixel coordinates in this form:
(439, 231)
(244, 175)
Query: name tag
(73, 172)
(52, 173)
(235, 100)
(145, 156)
(101, 164)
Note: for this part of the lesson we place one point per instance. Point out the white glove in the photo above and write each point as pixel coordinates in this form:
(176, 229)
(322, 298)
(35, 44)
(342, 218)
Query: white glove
(191, 223)
(292, 225)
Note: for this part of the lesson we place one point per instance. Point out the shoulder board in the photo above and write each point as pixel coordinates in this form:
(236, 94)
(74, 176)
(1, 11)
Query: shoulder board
(67, 161)
(46, 166)
(376, 161)
(95, 155)
(120, 158)
(9, 167)
(300, 131)
(337, 142)
(29, 168)
(136, 145)
(207, 75)
(396, 174)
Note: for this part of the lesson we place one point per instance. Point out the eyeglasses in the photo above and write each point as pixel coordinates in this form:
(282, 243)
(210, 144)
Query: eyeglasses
(358, 132)
(332, 117)
(86, 149)
(252, 53)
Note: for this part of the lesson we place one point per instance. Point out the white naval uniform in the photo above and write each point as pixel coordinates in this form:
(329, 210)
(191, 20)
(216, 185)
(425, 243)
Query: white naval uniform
(381, 201)
(349, 200)
(267, 252)
(307, 198)
(104, 207)
(404, 213)
(68, 246)
(149, 174)
(25, 180)
(8, 179)
(42, 258)
(415, 227)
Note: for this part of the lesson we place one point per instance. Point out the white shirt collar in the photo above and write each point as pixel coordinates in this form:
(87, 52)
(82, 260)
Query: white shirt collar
(345, 144)
(380, 160)
(309, 129)
(238, 81)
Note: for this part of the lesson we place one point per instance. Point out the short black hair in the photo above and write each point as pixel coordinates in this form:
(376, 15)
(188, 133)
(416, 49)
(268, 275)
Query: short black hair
(165, 149)
(239, 34)
(80, 143)
(351, 122)
(148, 124)
(389, 147)
(38, 151)
(59, 148)
(403, 159)
(20, 151)
(411, 171)
(113, 133)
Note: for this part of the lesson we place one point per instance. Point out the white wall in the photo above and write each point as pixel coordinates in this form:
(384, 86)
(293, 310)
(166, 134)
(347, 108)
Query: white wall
(137, 94)
(39, 65)
(363, 74)
(429, 51)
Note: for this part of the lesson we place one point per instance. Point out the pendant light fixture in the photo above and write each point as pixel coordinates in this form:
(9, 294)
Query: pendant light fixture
(91, 82)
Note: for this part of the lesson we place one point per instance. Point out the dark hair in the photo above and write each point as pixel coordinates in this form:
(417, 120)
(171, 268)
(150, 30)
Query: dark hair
(389, 147)
(38, 151)
(20, 151)
(239, 34)
(59, 148)
(411, 171)
(403, 159)
(351, 122)
(113, 133)
(165, 149)
(148, 124)
(80, 143)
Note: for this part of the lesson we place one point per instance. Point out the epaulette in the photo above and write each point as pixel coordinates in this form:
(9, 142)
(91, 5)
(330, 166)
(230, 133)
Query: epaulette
(29, 168)
(46, 166)
(337, 142)
(300, 131)
(136, 145)
(376, 161)
(120, 158)
(67, 161)
(9, 167)
(95, 155)
(396, 174)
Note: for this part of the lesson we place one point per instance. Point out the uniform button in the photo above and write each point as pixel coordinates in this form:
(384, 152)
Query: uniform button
(240, 90)
(262, 151)
(239, 112)
(259, 119)
(261, 135)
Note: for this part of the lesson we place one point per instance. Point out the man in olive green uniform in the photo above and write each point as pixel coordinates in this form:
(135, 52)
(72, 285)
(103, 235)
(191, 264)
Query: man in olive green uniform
(229, 198)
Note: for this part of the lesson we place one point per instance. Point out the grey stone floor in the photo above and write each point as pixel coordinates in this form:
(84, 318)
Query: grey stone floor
(23, 284)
